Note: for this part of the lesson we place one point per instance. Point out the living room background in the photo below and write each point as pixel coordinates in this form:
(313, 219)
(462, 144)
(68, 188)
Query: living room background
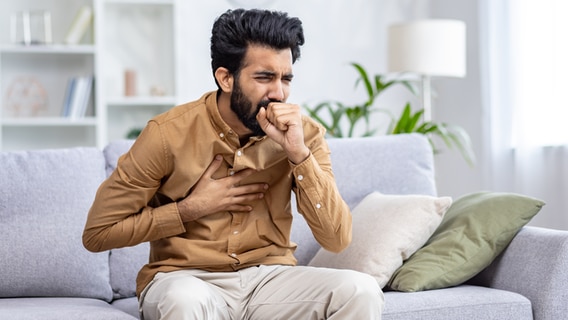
(341, 32)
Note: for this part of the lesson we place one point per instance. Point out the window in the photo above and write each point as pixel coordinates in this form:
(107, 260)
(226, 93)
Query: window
(539, 64)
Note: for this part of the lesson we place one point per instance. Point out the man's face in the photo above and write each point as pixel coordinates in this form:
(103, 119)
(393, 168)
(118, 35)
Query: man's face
(265, 77)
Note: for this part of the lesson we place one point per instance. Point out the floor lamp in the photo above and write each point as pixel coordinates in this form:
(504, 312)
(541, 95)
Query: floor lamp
(429, 48)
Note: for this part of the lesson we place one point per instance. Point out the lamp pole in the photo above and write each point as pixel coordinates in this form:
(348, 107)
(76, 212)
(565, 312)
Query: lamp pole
(426, 98)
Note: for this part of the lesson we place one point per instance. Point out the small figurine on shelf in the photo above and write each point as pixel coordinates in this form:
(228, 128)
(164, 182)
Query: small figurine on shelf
(129, 82)
(157, 91)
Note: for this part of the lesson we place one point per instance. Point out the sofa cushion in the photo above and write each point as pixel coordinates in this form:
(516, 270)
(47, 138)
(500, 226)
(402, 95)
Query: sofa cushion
(475, 230)
(404, 163)
(60, 309)
(387, 229)
(124, 266)
(400, 164)
(128, 305)
(113, 151)
(45, 196)
(463, 302)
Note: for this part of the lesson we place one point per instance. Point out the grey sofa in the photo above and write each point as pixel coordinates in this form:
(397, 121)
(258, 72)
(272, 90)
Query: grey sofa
(46, 273)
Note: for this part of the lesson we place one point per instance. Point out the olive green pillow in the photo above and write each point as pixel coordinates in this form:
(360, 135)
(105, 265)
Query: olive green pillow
(475, 230)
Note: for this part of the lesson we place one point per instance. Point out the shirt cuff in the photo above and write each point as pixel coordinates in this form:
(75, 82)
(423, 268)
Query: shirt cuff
(169, 220)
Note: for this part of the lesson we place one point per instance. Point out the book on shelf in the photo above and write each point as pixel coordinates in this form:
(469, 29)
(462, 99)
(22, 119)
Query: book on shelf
(77, 97)
(79, 26)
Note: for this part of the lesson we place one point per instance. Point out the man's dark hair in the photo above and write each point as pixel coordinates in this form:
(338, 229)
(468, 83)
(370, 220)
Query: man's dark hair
(236, 29)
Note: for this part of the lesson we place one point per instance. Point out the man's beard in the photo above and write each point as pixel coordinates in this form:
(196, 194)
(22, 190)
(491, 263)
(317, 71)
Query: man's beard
(242, 107)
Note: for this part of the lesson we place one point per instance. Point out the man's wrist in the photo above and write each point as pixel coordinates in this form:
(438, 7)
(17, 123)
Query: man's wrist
(184, 211)
(300, 156)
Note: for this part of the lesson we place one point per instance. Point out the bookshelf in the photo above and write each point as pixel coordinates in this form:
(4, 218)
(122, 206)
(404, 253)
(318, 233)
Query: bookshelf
(137, 35)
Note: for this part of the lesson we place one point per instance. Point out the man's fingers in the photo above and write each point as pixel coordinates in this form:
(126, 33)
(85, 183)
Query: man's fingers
(282, 116)
(239, 208)
(215, 164)
(239, 203)
(261, 117)
(237, 177)
(251, 188)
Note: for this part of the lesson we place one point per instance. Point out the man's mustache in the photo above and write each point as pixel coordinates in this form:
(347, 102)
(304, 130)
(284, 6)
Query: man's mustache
(265, 103)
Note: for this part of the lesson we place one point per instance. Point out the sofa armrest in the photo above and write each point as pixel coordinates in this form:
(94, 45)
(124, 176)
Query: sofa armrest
(535, 264)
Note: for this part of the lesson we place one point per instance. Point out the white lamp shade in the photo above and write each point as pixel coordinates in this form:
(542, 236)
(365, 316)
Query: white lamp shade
(428, 47)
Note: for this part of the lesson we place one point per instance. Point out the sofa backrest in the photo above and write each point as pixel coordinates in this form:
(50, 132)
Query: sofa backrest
(45, 196)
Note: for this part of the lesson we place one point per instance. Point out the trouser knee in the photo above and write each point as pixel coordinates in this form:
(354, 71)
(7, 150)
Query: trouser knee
(360, 289)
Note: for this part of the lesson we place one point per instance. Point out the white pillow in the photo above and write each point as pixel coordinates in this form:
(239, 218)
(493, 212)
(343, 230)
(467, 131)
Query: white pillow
(387, 230)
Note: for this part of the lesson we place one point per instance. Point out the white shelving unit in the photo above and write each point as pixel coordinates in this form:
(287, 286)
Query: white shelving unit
(136, 35)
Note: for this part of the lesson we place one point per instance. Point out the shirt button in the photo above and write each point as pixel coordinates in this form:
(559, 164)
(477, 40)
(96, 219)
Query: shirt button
(234, 255)
(318, 205)
(300, 177)
(221, 135)
(232, 172)
(235, 232)
(239, 153)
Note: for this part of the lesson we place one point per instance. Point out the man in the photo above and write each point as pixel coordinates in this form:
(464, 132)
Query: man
(208, 183)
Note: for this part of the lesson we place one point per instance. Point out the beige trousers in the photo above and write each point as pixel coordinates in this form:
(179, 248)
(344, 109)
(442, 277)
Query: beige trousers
(264, 293)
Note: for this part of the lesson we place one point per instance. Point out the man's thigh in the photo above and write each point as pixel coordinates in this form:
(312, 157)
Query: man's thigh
(316, 293)
(181, 295)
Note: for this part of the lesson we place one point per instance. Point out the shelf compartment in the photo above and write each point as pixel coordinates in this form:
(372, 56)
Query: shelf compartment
(46, 75)
(138, 37)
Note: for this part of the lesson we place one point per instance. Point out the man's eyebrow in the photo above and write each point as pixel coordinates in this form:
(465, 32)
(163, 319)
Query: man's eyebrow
(272, 73)
(265, 73)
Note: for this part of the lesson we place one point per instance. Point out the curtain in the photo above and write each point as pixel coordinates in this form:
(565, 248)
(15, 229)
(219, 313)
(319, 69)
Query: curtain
(524, 71)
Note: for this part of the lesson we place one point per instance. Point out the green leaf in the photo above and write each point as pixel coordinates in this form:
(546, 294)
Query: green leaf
(363, 76)
(402, 124)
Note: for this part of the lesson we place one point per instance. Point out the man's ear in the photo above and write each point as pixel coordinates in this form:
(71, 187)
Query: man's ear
(225, 79)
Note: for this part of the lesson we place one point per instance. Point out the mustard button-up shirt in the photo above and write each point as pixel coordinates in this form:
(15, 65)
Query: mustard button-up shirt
(137, 202)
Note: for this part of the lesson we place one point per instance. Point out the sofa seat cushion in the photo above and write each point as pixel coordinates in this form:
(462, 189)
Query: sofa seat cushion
(128, 305)
(45, 196)
(463, 302)
(59, 309)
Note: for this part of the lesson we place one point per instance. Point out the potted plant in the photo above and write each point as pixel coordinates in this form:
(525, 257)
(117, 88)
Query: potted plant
(408, 121)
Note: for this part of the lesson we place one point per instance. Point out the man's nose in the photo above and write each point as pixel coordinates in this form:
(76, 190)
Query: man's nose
(276, 92)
